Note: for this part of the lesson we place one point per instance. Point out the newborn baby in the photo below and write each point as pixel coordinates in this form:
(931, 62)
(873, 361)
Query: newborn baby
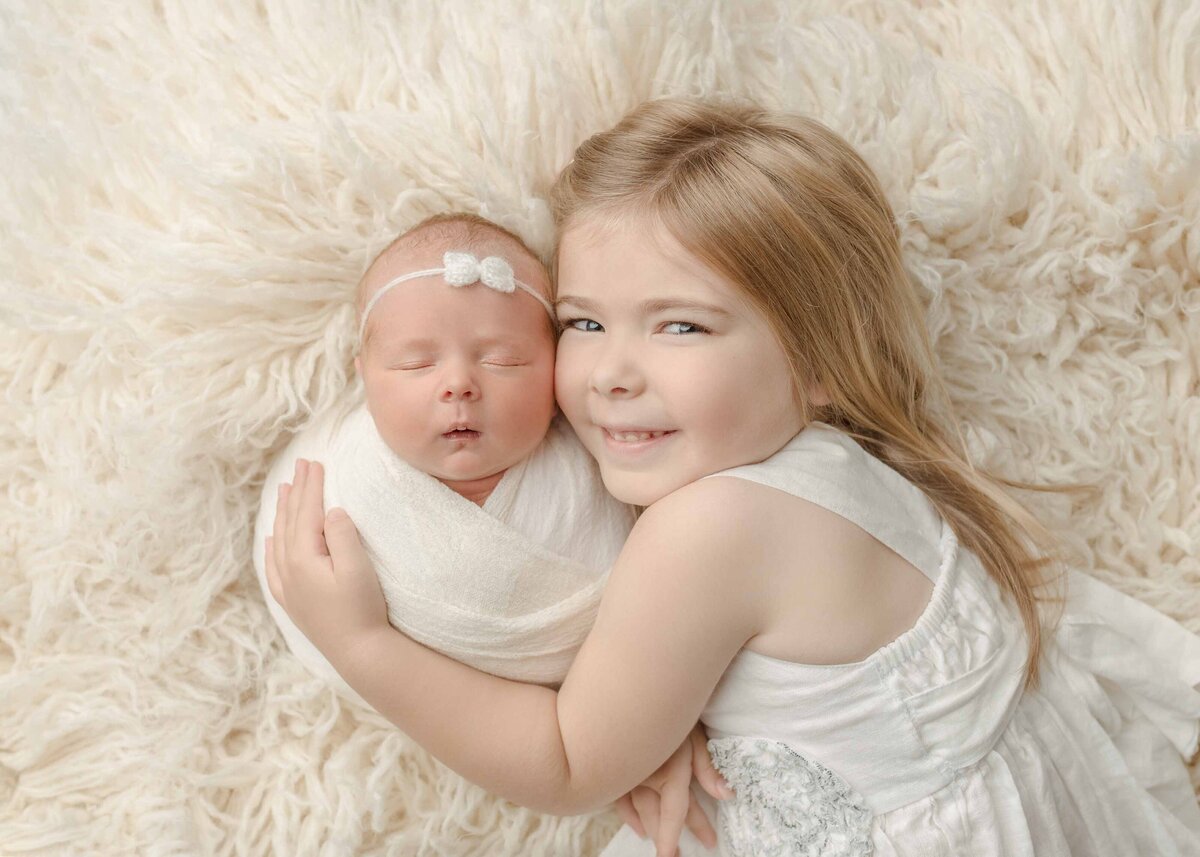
(486, 519)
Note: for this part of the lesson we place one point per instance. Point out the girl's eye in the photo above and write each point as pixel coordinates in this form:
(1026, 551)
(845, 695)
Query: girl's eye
(695, 327)
(570, 323)
(408, 367)
(506, 363)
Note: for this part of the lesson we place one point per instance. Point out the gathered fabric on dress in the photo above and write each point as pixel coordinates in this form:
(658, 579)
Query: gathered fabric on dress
(930, 746)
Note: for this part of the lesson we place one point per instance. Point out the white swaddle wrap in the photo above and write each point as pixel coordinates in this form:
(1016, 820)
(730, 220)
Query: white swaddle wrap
(511, 587)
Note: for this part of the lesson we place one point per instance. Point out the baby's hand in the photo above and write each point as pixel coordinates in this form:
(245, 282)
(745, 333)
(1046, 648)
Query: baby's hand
(318, 570)
(664, 802)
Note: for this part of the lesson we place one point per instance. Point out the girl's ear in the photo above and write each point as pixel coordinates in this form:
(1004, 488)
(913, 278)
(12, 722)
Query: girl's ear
(817, 395)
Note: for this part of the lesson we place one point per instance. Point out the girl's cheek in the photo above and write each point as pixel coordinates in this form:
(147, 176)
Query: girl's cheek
(568, 388)
(563, 370)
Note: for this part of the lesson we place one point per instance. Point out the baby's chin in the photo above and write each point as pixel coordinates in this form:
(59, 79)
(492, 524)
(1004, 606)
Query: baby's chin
(465, 465)
(473, 458)
(452, 473)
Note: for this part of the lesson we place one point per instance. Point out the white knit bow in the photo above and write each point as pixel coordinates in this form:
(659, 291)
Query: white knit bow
(462, 269)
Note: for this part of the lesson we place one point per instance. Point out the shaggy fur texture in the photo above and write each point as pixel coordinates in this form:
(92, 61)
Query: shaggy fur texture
(189, 191)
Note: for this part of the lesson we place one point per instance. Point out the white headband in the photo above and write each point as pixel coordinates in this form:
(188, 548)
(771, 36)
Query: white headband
(461, 269)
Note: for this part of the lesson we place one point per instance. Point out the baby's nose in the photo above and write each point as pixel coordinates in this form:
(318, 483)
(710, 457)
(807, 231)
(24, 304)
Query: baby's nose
(464, 390)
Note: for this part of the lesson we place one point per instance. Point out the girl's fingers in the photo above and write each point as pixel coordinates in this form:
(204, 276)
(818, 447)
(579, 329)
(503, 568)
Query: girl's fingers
(279, 532)
(673, 811)
(293, 504)
(629, 815)
(645, 801)
(702, 767)
(698, 823)
(312, 511)
(272, 576)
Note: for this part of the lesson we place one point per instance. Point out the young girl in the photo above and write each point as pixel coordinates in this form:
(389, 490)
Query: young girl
(820, 575)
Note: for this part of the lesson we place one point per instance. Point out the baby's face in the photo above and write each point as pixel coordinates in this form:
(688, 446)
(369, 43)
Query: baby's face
(439, 359)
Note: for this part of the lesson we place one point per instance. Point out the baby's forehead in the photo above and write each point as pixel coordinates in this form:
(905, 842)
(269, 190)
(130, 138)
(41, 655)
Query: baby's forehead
(397, 334)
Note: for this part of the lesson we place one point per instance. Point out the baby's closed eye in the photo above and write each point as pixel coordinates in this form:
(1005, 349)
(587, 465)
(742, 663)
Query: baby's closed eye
(486, 361)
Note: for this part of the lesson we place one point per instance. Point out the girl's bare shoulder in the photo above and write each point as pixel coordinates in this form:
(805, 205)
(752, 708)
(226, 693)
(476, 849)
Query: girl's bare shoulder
(830, 592)
(736, 519)
(741, 508)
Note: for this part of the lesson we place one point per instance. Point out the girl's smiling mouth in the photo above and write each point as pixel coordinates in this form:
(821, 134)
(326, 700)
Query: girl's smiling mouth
(634, 440)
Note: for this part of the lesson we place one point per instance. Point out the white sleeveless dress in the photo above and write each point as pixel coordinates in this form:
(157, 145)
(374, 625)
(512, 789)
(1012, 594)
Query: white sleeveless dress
(929, 746)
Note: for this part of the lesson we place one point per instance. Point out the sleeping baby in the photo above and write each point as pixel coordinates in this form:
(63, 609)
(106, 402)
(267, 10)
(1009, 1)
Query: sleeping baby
(486, 519)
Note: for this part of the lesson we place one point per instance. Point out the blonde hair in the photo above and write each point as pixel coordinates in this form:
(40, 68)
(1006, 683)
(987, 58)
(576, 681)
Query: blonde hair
(787, 210)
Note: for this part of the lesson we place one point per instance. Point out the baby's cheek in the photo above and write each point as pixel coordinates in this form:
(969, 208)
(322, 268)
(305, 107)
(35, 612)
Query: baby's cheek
(527, 410)
(395, 411)
(532, 397)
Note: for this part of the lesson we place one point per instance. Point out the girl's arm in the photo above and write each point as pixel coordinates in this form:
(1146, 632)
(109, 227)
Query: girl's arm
(684, 596)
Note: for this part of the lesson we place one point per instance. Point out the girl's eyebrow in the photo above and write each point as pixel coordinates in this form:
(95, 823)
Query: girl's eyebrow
(648, 307)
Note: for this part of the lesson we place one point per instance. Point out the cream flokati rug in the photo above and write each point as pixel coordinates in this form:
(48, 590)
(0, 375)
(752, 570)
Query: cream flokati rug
(188, 192)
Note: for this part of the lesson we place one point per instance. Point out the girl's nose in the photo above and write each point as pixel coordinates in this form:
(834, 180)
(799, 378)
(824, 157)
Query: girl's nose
(615, 374)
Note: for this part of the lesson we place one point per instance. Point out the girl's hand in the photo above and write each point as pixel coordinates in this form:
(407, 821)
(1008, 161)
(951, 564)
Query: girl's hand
(318, 570)
(665, 801)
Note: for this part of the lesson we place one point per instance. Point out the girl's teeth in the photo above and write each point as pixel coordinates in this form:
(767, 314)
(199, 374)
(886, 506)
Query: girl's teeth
(631, 436)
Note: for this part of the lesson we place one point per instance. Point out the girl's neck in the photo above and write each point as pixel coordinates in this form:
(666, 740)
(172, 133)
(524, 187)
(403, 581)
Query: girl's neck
(475, 490)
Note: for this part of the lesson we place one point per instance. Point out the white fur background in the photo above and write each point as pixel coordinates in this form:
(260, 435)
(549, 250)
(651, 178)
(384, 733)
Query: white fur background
(189, 190)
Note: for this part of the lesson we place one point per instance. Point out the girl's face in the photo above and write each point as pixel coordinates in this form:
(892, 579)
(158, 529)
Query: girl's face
(656, 342)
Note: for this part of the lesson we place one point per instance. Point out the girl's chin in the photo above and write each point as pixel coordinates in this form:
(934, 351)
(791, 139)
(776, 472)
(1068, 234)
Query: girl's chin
(634, 489)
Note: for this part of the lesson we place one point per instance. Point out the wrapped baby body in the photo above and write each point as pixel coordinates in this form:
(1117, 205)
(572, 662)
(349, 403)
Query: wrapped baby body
(511, 587)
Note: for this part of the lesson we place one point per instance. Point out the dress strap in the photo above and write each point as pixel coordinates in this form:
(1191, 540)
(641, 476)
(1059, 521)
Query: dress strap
(825, 466)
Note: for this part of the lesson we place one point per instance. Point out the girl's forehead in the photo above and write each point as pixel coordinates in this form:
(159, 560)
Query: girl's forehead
(637, 262)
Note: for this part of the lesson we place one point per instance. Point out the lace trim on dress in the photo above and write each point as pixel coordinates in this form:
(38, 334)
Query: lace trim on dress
(786, 805)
